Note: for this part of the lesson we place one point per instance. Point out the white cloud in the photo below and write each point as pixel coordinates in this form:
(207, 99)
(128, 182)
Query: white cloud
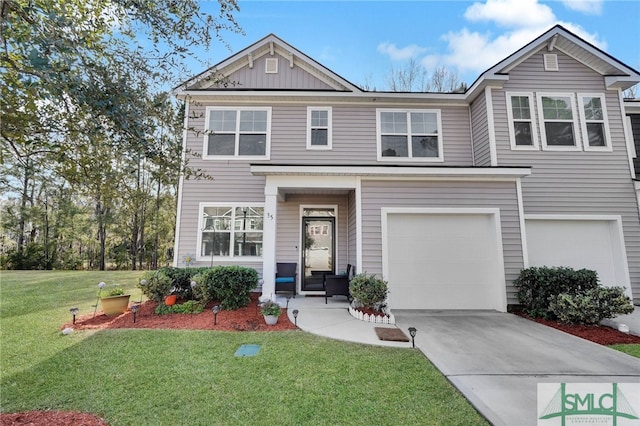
(401, 54)
(511, 13)
(592, 7)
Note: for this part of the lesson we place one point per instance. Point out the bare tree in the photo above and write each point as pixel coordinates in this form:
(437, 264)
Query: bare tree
(414, 77)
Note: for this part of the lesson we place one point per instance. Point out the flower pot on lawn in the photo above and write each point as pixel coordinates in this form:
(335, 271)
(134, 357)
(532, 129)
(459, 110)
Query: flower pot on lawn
(115, 305)
(170, 300)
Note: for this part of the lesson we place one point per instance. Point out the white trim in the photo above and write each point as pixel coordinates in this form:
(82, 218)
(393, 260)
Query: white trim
(329, 144)
(410, 158)
(183, 156)
(491, 128)
(583, 122)
(621, 263)
(231, 257)
(523, 230)
(302, 207)
(236, 155)
(358, 206)
(500, 295)
(532, 121)
(543, 133)
(383, 171)
(628, 136)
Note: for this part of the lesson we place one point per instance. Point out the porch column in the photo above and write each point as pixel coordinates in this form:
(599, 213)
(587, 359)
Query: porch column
(269, 242)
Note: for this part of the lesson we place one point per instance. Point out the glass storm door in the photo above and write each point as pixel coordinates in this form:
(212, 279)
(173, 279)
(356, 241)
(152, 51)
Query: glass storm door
(317, 256)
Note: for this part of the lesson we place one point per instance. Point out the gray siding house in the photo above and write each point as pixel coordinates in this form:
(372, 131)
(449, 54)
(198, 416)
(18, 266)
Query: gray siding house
(446, 196)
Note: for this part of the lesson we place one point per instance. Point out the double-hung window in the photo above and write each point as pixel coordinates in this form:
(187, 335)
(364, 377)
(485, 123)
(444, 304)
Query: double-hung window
(558, 121)
(414, 135)
(230, 231)
(319, 128)
(237, 132)
(594, 122)
(522, 129)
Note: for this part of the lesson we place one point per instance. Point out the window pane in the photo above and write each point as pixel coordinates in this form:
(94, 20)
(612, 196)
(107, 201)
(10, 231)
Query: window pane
(253, 121)
(424, 123)
(221, 144)
(592, 109)
(252, 145)
(556, 108)
(319, 137)
(596, 134)
(319, 118)
(424, 146)
(219, 241)
(522, 131)
(394, 146)
(249, 218)
(559, 134)
(248, 244)
(222, 121)
(217, 218)
(520, 108)
(393, 122)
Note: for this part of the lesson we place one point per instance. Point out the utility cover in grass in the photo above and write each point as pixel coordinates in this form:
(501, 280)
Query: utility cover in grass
(248, 350)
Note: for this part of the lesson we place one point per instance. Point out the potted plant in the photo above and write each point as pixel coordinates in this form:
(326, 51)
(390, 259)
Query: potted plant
(115, 302)
(271, 311)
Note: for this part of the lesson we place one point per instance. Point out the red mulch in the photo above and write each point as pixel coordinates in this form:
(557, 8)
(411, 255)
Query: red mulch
(244, 319)
(596, 333)
(50, 418)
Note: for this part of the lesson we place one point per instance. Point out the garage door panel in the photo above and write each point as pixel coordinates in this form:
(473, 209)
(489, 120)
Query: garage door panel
(442, 261)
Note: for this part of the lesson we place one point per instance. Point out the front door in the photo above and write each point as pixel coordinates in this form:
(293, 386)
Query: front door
(318, 235)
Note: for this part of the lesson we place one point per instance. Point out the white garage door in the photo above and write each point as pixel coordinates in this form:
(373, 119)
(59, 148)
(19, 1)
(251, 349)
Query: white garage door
(444, 261)
(591, 244)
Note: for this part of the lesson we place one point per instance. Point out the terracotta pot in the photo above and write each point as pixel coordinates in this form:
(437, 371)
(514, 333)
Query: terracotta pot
(115, 305)
(170, 300)
(270, 319)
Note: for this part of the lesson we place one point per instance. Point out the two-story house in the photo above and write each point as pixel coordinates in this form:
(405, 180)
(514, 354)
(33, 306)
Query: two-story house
(447, 196)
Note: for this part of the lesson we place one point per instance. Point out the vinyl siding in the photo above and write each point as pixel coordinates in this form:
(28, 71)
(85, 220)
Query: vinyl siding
(480, 130)
(502, 195)
(635, 130)
(576, 182)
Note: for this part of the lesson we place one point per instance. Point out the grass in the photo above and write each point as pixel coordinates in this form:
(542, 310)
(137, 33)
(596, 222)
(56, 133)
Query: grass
(630, 349)
(168, 377)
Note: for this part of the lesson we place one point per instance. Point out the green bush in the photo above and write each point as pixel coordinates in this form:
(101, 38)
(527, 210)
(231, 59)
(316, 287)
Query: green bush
(188, 307)
(592, 306)
(200, 292)
(271, 308)
(230, 285)
(368, 290)
(181, 280)
(538, 285)
(158, 285)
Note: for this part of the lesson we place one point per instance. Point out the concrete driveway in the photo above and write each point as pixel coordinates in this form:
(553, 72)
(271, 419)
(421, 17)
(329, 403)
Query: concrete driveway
(496, 359)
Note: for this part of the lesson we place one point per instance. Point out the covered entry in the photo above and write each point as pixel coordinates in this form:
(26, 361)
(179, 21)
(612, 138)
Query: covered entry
(443, 258)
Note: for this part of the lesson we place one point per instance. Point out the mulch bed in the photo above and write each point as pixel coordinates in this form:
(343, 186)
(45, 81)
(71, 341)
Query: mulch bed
(596, 333)
(391, 334)
(50, 418)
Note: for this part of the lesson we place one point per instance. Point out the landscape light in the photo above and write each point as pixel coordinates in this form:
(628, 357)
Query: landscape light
(134, 309)
(215, 311)
(412, 333)
(295, 317)
(143, 283)
(74, 311)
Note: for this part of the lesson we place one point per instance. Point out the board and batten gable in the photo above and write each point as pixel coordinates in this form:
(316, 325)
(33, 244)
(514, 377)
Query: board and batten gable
(572, 182)
(377, 194)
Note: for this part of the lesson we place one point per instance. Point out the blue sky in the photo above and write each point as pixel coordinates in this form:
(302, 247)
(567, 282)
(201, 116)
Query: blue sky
(363, 40)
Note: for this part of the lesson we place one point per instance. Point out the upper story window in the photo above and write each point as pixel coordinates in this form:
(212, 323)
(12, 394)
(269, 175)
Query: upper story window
(230, 231)
(237, 132)
(409, 135)
(522, 130)
(558, 121)
(594, 121)
(319, 128)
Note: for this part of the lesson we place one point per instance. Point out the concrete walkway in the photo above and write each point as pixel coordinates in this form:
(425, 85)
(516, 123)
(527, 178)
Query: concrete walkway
(495, 359)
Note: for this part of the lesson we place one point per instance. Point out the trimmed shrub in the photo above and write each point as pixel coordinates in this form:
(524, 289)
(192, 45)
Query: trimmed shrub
(230, 285)
(592, 306)
(181, 280)
(158, 285)
(368, 290)
(538, 285)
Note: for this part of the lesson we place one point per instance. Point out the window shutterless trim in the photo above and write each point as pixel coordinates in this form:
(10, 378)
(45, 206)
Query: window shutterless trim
(237, 132)
(605, 121)
(329, 129)
(535, 146)
(408, 134)
(574, 121)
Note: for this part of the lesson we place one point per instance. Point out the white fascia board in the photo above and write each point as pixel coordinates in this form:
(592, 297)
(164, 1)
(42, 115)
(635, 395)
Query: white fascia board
(403, 172)
(621, 82)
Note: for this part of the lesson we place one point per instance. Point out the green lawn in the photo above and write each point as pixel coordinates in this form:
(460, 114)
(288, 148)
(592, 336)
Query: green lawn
(169, 377)
(631, 349)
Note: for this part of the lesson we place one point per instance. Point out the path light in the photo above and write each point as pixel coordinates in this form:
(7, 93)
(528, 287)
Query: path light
(412, 333)
(215, 311)
(288, 298)
(74, 311)
(143, 283)
(295, 317)
(134, 309)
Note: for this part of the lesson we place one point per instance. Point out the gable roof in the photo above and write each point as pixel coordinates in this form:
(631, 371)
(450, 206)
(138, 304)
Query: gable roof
(616, 73)
(269, 45)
